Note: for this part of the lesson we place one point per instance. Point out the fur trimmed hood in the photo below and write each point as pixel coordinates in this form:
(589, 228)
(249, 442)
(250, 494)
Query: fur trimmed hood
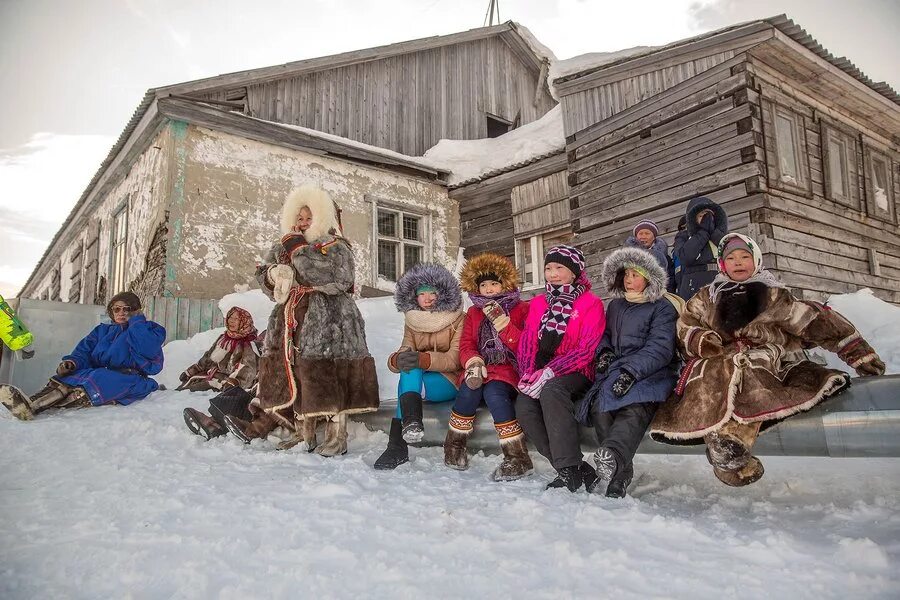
(700, 203)
(624, 257)
(449, 296)
(488, 262)
(320, 204)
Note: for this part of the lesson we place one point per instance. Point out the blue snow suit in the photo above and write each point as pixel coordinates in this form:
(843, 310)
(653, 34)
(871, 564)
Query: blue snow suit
(113, 362)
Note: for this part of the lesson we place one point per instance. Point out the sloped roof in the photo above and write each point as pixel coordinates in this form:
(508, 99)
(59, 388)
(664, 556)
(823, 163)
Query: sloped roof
(783, 24)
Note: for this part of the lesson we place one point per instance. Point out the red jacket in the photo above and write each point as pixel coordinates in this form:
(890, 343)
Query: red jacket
(468, 343)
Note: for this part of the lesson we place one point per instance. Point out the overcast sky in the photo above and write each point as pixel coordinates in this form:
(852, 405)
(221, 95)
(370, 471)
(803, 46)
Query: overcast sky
(73, 72)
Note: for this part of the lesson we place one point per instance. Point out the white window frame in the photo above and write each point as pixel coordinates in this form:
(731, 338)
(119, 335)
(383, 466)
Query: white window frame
(118, 278)
(425, 244)
(535, 243)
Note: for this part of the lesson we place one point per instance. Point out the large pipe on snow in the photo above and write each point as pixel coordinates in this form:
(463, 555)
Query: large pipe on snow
(862, 421)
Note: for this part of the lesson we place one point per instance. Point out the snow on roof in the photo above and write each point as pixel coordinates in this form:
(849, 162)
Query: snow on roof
(536, 46)
(471, 159)
(592, 60)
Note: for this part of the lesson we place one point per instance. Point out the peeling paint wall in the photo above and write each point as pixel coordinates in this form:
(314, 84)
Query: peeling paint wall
(226, 207)
(144, 191)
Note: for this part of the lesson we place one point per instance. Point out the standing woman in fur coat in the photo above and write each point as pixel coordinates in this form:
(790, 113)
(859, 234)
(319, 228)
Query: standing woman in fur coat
(428, 358)
(745, 338)
(555, 352)
(316, 364)
(495, 319)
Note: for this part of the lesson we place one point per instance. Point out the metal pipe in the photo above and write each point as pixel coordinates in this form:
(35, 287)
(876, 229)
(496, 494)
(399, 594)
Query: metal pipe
(862, 421)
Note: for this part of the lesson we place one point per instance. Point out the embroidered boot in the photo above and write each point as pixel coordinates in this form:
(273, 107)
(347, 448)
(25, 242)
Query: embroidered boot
(516, 462)
(455, 453)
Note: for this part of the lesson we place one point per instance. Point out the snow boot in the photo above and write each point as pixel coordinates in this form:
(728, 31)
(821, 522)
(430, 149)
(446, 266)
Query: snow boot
(247, 431)
(516, 462)
(607, 462)
(455, 452)
(397, 451)
(619, 484)
(77, 398)
(202, 424)
(411, 409)
(572, 478)
(335, 437)
(728, 448)
(751, 472)
(16, 402)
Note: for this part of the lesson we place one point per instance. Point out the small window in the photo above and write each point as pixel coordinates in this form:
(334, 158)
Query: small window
(530, 253)
(786, 149)
(497, 126)
(879, 185)
(118, 246)
(401, 242)
(841, 170)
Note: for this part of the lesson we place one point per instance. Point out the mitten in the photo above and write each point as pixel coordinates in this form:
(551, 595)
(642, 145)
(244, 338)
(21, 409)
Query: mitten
(708, 223)
(496, 315)
(476, 373)
(408, 360)
(282, 278)
(65, 367)
(184, 377)
(622, 384)
(862, 357)
(604, 359)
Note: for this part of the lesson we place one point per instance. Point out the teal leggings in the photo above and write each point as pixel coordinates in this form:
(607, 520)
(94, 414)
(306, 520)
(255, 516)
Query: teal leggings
(433, 386)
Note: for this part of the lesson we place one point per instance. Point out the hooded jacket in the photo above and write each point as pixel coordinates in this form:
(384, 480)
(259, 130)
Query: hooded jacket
(696, 250)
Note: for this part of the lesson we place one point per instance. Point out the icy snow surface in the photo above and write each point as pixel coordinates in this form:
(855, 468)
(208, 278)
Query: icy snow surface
(118, 502)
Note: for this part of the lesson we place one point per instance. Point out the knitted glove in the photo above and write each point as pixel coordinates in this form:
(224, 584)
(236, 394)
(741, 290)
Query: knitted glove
(497, 316)
(604, 359)
(862, 357)
(282, 278)
(476, 373)
(533, 384)
(622, 384)
(65, 367)
(408, 360)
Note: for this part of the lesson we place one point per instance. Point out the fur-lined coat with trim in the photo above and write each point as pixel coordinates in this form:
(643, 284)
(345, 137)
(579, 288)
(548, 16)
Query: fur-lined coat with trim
(316, 361)
(757, 371)
(641, 337)
(435, 334)
(219, 366)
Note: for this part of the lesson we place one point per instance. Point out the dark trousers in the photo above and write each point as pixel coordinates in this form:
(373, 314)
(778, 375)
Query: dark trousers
(232, 402)
(498, 395)
(622, 430)
(549, 422)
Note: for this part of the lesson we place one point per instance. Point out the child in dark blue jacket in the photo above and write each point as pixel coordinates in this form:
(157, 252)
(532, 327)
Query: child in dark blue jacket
(636, 363)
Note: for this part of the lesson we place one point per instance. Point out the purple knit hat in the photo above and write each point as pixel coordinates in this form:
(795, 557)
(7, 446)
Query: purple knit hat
(568, 256)
(646, 224)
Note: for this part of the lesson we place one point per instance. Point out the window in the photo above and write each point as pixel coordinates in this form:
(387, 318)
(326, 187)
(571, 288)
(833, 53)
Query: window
(879, 184)
(401, 241)
(497, 126)
(117, 248)
(840, 164)
(530, 253)
(786, 149)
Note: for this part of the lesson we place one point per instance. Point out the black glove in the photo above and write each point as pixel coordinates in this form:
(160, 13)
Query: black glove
(408, 360)
(708, 223)
(622, 384)
(65, 367)
(604, 359)
(184, 377)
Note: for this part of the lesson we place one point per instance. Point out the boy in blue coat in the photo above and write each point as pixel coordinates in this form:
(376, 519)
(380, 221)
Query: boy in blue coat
(111, 365)
(636, 363)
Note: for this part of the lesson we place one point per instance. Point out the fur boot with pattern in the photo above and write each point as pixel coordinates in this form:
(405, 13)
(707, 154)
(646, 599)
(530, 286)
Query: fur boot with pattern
(455, 445)
(516, 462)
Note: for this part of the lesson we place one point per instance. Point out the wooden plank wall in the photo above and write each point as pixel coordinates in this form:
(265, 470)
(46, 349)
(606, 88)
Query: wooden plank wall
(184, 317)
(702, 136)
(819, 246)
(541, 204)
(407, 103)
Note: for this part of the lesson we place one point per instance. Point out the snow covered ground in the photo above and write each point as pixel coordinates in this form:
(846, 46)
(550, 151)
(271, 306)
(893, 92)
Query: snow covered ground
(123, 502)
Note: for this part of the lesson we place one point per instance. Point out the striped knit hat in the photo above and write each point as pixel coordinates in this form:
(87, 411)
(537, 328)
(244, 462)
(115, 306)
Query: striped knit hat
(646, 224)
(568, 256)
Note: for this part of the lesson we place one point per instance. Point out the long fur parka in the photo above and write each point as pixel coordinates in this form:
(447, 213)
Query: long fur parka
(316, 361)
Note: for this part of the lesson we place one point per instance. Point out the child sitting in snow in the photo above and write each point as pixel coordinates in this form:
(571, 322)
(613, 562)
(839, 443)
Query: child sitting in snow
(230, 361)
(745, 337)
(636, 365)
(495, 319)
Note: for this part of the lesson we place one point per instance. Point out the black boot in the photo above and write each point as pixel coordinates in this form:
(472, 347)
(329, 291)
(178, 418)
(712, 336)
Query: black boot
(202, 424)
(570, 478)
(411, 409)
(620, 483)
(397, 452)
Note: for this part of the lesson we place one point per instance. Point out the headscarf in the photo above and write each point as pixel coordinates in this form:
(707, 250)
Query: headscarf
(723, 283)
(240, 336)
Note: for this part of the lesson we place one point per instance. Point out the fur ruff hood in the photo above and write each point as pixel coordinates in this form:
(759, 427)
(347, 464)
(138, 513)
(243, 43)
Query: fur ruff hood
(449, 296)
(320, 204)
(621, 259)
(700, 203)
(488, 262)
